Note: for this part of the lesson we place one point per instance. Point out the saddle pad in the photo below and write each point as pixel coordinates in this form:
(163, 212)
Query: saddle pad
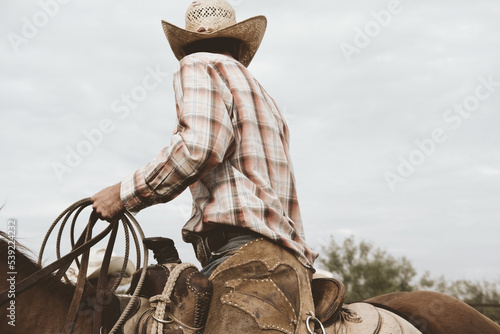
(393, 323)
(367, 319)
(364, 318)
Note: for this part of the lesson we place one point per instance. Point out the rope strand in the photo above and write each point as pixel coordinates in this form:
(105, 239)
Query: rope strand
(160, 302)
(126, 219)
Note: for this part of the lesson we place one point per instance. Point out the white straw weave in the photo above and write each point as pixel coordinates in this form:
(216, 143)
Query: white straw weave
(209, 16)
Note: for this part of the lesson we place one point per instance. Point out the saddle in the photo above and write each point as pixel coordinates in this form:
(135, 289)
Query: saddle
(366, 318)
(328, 296)
(355, 318)
(175, 299)
(176, 296)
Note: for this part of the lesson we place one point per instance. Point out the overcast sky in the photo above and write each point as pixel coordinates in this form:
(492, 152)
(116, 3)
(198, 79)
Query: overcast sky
(393, 108)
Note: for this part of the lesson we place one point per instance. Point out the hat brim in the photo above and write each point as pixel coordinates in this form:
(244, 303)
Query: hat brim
(115, 267)
(250, 32)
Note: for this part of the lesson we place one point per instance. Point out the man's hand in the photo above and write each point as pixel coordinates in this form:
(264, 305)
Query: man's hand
(107, 202)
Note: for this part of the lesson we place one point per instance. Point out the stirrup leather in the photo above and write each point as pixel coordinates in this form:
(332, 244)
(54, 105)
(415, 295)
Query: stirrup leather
(328, 295)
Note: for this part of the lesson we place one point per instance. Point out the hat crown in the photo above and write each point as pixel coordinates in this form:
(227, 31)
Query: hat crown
(207, 16)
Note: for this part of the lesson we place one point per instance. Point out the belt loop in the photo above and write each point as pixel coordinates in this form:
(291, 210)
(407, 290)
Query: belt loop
(224, 237)
(200, 248)
(205, 243)
(206, 246)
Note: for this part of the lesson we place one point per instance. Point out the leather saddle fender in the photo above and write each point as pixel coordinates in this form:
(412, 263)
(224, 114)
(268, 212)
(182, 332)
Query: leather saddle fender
(328, 296)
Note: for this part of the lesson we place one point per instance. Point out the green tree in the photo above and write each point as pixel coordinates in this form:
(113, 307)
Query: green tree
(367, 271)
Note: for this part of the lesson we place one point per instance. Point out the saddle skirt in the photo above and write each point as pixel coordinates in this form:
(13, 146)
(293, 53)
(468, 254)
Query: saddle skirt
(367, 319)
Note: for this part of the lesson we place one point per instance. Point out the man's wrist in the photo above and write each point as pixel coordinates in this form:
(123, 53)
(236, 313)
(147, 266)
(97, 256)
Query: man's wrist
(130, 191)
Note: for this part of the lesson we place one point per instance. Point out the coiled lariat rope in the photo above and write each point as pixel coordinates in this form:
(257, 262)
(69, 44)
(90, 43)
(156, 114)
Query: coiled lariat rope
(82, 247)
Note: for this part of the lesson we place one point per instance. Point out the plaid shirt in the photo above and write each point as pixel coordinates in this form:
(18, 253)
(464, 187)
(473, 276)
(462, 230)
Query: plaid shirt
(230, 147)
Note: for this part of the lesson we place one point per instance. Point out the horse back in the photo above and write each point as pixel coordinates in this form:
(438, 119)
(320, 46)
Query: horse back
(436, 313)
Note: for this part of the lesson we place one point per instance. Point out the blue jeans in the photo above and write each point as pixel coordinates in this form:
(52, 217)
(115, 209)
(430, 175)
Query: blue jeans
(225, 252)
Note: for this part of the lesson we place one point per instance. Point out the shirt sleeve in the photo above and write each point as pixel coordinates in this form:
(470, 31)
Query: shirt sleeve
(203, 137)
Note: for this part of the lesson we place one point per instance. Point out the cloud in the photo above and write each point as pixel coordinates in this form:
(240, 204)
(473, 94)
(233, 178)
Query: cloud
(349, 121)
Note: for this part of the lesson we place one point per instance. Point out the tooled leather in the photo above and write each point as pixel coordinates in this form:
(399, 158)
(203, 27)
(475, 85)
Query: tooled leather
(189, 300)
(240, 259)
(371, 320)
(264, 301)
(199, 285)
(370, 323)
(261, 259)
(192, 287)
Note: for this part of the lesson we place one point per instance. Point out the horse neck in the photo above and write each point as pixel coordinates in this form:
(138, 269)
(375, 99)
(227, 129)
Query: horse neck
(41, 308)
(49, 302)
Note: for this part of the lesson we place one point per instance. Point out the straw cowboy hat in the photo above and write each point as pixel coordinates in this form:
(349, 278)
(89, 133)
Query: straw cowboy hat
(216, 18)
(95, 261)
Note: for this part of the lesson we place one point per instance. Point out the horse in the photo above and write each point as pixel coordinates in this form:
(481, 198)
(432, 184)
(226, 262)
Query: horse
(42, 308)
(436, 313)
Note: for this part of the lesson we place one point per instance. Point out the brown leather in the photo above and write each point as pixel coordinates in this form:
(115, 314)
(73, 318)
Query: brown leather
(140, 307)
(156, 277)
(103, 293)
(79, 289)
(145, 322)
(191, 298)
(328, 295)
(83, 245)
(218, 237)
(189, 301)
(211, 241)
(65, 260)
(164, 250)
(262, 288)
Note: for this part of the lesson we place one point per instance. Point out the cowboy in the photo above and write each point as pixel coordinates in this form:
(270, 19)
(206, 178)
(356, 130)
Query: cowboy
(230, 146)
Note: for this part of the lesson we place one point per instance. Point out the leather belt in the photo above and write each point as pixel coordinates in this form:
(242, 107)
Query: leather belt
(206, 243)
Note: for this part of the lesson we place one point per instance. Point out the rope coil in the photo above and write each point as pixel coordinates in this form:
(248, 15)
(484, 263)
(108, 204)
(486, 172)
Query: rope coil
(129, 224)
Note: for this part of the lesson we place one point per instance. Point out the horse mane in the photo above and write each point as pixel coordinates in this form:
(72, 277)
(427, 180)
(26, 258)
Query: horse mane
(26, 266)
(52, 290)
(22, 257)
